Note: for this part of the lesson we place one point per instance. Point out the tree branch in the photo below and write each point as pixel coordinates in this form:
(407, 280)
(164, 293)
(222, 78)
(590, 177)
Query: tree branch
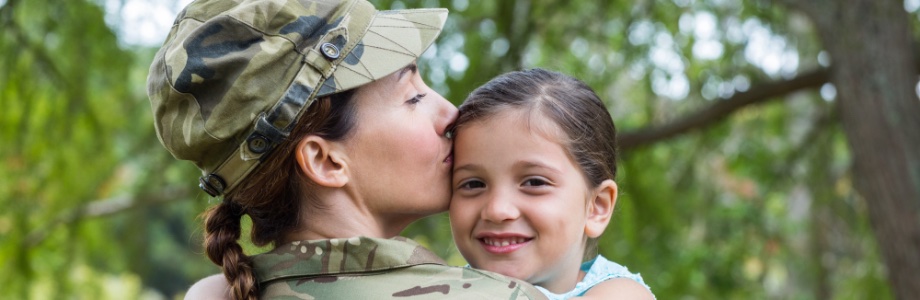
(721, 109)
(102, 208)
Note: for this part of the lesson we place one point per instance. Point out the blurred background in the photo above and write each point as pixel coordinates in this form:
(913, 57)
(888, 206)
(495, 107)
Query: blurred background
(769, 149)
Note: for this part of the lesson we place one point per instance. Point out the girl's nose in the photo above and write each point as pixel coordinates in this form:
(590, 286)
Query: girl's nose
(500, 208)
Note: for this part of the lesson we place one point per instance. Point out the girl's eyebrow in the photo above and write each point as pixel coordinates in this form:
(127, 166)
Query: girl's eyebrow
(413, 67)
(531, 164)
(466, 167)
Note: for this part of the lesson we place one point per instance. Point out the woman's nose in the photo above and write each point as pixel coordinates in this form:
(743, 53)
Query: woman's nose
(446, 116)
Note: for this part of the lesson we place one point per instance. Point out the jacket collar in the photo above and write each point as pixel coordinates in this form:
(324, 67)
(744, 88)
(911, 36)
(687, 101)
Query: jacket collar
(333, 257)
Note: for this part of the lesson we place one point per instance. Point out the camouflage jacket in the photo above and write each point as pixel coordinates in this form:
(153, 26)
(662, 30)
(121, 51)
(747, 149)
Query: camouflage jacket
(371, 268)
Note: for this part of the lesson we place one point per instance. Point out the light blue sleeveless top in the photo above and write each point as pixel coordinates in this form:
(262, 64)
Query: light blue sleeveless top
(596, 271)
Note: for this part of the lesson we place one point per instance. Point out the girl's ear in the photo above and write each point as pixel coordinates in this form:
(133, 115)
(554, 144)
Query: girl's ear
(320, 161)
(601, 208)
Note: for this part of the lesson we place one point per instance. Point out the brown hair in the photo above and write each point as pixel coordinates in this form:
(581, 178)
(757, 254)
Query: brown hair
(271, 195)
(590, 135)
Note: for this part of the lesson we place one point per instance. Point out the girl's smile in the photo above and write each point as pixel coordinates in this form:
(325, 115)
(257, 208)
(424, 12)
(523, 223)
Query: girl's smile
(502, 243)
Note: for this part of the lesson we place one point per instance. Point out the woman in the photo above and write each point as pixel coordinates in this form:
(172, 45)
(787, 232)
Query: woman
(330, 184)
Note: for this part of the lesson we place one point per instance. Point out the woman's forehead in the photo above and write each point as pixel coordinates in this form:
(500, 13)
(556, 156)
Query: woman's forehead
(388, 87)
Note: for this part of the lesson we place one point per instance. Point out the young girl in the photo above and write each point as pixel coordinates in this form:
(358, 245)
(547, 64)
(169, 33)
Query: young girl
(534, 163)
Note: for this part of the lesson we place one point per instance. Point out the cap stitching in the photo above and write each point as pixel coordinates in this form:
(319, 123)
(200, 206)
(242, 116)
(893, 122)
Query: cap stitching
(335, 81)
(253, 27)
(356, 72)
(410, 27)
(412, 11)
(388, 39)
(430, 27)
(394, 51)
(360, 62)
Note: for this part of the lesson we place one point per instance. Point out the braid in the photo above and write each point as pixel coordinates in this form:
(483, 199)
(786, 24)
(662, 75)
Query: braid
(222, 230)
(271, 196)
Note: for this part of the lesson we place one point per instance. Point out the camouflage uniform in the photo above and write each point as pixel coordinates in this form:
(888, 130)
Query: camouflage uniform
(228, 85)
(370, 268)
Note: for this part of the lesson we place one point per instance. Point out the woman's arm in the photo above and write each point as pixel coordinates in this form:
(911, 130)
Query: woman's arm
(214, 287)
(618, 288)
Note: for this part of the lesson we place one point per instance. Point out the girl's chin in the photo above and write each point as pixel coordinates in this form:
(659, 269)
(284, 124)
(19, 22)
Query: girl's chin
(507, 268)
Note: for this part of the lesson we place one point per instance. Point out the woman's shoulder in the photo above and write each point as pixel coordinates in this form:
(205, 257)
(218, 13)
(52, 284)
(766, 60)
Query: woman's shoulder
(420, 281)
(492, 284)
(441, 280)
(212, 287)
(375, 268)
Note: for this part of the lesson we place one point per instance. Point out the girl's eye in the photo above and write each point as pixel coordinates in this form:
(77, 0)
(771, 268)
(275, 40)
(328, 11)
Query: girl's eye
(472, 184)
(535, 182)
(416, 99)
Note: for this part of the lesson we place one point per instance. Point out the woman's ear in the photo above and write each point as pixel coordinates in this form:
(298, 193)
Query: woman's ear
(600, 209)
(319, 160)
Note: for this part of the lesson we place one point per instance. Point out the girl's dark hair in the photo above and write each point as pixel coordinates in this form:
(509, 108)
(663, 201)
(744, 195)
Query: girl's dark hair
(271, 195)
(590, 136)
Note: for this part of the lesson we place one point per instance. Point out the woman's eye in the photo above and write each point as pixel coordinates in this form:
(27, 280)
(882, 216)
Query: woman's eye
(535, 182)
(416, 99)
(472, 184)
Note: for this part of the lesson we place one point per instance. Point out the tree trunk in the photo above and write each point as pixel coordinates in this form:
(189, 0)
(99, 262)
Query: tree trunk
(871, 49)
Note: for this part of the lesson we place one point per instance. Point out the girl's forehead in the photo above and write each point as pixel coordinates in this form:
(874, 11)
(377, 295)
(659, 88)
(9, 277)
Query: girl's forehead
(531, 119)
(525, 121)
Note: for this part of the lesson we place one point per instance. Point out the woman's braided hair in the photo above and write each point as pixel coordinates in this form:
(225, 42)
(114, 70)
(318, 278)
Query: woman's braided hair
(271, 195)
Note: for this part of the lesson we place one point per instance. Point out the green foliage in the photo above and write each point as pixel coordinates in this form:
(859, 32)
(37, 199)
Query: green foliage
(84, 202)
(729, 211)
(760, 205)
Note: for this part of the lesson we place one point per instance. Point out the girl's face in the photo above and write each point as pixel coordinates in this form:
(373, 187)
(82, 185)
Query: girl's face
(519, 201)
(399, 158)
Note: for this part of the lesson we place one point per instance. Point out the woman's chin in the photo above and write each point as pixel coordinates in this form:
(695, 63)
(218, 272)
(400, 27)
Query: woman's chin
(424, 209)
(438, 204)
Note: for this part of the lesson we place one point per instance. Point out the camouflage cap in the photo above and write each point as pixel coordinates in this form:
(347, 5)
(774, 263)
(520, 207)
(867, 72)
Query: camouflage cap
(233, 76)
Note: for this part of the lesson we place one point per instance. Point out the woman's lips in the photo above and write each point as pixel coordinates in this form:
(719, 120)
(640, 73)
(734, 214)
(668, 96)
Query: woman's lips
(450, 158)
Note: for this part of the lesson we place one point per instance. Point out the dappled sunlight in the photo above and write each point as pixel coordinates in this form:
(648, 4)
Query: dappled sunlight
(770, 52)
(142, 22)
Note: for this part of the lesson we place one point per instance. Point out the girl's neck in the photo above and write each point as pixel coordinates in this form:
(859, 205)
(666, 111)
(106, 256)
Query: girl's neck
(565, 277)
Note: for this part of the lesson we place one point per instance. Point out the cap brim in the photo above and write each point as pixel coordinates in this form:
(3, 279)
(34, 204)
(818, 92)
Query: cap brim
(393, 40)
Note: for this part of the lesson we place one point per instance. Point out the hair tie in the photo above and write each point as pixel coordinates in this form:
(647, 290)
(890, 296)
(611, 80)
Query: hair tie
(234, 208)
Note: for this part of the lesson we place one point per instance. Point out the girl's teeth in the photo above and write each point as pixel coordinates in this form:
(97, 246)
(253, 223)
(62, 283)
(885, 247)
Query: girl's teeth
(503, 242)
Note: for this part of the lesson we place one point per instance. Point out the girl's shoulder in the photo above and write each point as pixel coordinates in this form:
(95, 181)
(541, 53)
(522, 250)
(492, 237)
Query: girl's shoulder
(600, 270)
(621, 288)
(614, 277)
